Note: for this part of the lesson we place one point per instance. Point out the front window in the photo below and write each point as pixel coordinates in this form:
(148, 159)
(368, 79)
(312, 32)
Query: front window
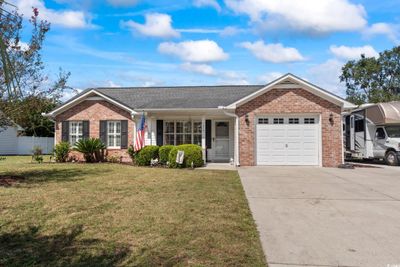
(393, 131)
(114, 134)
(182, 132)
(75, 132)
(380, 133)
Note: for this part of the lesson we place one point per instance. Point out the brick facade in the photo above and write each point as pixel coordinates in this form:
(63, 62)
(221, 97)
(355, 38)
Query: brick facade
(288, 101)
(94, 111)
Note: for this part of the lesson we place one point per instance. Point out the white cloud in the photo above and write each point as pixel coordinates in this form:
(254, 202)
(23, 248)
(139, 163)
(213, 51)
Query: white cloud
(316, 16)
(123, 3)
(391, 31)
(353, 52)
(211, 3)
(204, 69)
(64, 18)
(269, 77)
(112, 84)
(327, 75)
(194, 51)
(156, 25)
(231, 30)
(275, 53)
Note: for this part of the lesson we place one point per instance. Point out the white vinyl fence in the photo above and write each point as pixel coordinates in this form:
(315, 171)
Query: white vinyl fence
(27, 143)
(23, 145)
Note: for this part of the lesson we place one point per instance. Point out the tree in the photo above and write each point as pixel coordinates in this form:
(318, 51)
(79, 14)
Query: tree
(372, 80)
(23, 80)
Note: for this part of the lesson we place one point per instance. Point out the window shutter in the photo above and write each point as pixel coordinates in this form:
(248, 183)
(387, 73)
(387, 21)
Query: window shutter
(208, 133)
(160, 132)
(65, 131)
(124, 134)
(103, 132)
(85, 129)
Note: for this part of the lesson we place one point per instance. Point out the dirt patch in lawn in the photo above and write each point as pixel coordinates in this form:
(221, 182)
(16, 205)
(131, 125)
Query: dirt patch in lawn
(10, 180)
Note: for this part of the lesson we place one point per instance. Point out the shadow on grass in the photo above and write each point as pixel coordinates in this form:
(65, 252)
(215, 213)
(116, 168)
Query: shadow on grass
(29, 248)
(38, 176)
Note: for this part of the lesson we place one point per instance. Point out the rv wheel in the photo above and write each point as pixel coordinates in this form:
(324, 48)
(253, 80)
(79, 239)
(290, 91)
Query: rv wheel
(391, 158)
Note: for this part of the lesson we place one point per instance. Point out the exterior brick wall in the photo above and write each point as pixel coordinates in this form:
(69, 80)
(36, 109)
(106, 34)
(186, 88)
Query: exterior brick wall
(288, 101)
(94, 111)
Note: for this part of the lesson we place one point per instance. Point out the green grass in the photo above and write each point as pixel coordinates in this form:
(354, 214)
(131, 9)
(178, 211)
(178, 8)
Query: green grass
(119, 215)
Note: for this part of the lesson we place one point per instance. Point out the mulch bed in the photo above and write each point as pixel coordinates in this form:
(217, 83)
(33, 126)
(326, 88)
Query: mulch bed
(10, 180)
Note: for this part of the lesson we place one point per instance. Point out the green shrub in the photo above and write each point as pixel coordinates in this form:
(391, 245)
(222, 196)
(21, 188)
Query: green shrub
(132, 153)
(113, 159)
(61, 151)
(164, 153)
(193, 153)
(37, 154)
(92, 149)
(144, 156)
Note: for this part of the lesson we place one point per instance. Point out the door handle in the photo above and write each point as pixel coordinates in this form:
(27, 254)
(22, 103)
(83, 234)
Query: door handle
(286, 145)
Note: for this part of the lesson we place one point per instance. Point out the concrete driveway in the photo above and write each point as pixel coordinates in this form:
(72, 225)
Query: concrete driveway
(309, 216)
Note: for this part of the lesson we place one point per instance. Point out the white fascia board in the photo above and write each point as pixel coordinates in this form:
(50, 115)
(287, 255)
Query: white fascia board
(82, 98)
(175, 109)
(302, 84)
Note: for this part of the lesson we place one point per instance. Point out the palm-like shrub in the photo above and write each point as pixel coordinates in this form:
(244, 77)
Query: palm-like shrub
(92, 149)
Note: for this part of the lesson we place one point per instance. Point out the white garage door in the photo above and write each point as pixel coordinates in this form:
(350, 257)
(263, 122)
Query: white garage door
(283, 140)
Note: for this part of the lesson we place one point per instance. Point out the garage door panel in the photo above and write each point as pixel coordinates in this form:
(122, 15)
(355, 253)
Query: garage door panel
(288, 144)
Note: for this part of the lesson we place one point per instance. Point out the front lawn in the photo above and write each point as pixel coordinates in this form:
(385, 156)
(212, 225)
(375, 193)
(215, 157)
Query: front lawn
(116, 215)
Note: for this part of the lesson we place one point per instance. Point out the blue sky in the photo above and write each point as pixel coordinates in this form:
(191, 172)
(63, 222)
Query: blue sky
(208, 42)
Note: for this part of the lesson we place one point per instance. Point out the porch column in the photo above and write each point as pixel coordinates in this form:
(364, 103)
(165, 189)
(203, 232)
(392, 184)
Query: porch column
(203, 137)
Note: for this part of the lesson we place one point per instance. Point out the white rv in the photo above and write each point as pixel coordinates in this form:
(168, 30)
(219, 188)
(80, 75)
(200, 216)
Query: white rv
(372, 131)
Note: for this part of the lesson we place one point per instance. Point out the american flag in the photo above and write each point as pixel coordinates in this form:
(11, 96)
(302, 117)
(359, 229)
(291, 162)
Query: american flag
(139, 141)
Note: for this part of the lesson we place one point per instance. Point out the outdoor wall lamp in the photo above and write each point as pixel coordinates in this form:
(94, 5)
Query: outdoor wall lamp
(331, 118)
(246, 119)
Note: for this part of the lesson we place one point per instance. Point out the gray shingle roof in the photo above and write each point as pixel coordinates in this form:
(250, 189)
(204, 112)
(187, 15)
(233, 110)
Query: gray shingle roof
(178, 97)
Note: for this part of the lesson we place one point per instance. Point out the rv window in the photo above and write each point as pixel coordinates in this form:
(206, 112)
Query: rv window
(380, 133)
(359, 125)
(393, 131)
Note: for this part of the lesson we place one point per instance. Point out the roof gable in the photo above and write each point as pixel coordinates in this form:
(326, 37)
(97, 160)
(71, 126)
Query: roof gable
(290, 81)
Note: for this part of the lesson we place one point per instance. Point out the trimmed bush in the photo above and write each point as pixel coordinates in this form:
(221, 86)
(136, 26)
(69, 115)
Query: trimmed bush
(61, 151)
(193, 153)
(164, 153)
(144, 156)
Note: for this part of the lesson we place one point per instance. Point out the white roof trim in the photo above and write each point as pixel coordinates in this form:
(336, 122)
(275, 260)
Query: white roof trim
(298, 83)
(84, 97)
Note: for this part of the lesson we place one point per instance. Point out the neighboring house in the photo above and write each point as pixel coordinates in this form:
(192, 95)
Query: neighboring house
(286, 122)
(9, 139)
(13, 143)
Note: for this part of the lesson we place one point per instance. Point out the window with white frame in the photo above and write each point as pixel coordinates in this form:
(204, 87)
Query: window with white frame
(75, 131)
(114, 134)
(182, 132)
(197, 133)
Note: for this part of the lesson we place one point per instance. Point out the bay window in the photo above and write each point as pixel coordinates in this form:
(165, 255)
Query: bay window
(182, 132)
(114, 134)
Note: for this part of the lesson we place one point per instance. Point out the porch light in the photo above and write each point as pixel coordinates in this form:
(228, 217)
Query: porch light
(331, 118)
(246, 119)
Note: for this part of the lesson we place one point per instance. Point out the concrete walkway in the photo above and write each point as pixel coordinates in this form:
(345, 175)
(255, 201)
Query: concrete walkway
(310, 216)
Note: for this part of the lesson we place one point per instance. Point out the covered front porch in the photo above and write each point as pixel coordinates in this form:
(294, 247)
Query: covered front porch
(215, 130)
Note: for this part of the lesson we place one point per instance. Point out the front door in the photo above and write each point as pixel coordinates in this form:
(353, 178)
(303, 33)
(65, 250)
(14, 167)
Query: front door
(380, 142)
(221, 140)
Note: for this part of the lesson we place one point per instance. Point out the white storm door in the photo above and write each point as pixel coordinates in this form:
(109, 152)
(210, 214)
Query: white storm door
(221, 140)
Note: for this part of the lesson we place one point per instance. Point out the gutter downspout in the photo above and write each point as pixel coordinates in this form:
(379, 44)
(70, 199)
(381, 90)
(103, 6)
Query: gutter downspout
(236, 134)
